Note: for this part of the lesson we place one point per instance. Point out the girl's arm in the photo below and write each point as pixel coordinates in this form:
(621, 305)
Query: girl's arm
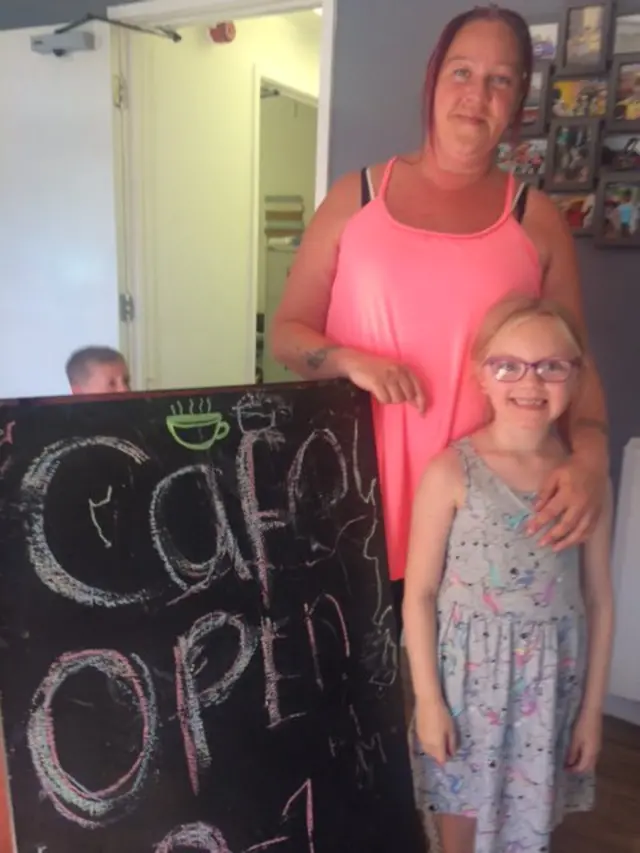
(440, 493)
(598, 596)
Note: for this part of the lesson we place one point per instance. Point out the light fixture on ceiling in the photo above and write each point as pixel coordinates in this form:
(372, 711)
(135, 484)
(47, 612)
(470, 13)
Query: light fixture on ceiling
(318, 10)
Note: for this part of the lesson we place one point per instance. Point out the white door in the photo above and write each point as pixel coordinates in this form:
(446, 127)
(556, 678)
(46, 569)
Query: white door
(288, 147)
(57, 211)
(193, 120)
(191, 115)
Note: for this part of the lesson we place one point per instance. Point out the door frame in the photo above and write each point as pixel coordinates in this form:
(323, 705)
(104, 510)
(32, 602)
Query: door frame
(260, 77)
(134, 205)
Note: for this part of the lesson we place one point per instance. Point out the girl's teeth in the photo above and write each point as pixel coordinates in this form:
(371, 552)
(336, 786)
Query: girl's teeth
(535, 403)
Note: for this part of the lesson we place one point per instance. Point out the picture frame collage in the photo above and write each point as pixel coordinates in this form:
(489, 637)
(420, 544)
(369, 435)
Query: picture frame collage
(580, 134)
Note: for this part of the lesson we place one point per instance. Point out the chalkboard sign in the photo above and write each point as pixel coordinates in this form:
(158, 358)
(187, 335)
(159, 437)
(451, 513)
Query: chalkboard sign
(196, 643)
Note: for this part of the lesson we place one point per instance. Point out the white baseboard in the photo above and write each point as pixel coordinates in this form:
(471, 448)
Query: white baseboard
(622, 709)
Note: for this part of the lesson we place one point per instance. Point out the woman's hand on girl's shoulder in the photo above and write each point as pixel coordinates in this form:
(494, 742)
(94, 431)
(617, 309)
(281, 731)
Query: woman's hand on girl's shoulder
(572, 498)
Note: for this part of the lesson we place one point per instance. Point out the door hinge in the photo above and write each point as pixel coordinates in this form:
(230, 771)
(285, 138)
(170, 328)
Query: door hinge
(127, 308)
(119, 92)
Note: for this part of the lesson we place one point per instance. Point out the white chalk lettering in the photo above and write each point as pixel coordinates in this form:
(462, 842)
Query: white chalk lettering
(295, 480)
(70, 798)
(35, 486)
(189, 652)
(258, 521)
(176, 564)
(195, 836)
(209, 839)
(93, 506)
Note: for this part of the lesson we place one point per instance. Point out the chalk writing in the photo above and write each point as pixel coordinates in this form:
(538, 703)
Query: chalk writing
(6, 434)
(35, 486)
(233, 607)
(202, 420)
(202, 836)
(178, 567)
(368, 752)
(190, 700)
(69, 797)
(381, 649)
(92, 508)
(195, 836)
(309, 611)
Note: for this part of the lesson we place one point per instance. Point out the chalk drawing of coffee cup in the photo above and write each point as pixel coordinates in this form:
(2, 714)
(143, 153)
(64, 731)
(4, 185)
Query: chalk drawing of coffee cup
(209, 423)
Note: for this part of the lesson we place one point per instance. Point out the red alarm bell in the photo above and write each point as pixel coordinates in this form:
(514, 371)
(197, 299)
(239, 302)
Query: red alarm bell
(223, 33)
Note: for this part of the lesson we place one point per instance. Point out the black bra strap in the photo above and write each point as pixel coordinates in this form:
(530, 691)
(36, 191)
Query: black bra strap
(365, 193)
(521, 204)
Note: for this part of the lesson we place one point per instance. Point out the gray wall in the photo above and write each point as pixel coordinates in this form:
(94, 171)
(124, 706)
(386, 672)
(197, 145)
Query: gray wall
(380, 60)
(380, 57)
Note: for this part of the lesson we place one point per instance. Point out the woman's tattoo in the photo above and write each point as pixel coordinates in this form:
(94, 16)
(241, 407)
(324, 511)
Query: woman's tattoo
(316, 358)
(592, 423)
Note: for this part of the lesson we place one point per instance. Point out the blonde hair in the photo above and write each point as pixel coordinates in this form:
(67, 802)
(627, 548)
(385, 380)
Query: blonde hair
(514, 310)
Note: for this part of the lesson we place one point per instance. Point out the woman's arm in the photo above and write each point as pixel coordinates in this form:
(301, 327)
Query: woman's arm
(440, 492)
(573, 498)
(297, 332)
(586, 422)
(598, 596)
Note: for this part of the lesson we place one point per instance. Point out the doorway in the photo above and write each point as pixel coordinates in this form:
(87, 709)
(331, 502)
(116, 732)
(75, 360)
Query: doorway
(286, 184)
(192, 210)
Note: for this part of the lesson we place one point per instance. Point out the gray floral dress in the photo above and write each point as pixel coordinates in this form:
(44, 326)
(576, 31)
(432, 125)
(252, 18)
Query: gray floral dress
(512, 652)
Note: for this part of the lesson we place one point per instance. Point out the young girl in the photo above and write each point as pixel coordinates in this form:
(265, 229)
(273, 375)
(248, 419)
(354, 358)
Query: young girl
(509, 692)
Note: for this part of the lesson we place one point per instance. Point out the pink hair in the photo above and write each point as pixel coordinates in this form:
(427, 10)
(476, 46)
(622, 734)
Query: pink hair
(518, 27)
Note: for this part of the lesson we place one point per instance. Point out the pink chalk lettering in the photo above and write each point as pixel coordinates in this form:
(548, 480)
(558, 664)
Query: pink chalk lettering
(181, 570)
(70, 798)
(191, 701)
(309, 611)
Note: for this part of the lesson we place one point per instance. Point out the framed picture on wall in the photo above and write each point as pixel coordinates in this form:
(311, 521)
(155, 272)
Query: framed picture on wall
(620, 152)
(573, 155)
(578, 211)
(535, 115)
(623, 112)
(627, 37)
(617, 217)
(526, 159)
(584, 38)
(579, 97)
(544, 38)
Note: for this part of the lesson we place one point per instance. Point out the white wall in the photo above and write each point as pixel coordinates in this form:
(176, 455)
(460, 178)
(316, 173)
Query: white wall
(196, 105)
(58, 285)
(624, 686)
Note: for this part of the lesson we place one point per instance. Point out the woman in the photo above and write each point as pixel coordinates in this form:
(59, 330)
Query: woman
(390, 293)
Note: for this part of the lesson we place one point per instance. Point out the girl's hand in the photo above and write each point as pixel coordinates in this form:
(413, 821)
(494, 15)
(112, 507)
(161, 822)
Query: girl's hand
(388, 381)
(572, 498)
(435, 730)
(585, 742)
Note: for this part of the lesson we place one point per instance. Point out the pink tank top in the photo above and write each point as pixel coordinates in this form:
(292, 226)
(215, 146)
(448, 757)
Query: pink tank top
(419, 297)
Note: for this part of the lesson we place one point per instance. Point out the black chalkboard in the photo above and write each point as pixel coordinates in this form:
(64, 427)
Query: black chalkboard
(197, 649)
